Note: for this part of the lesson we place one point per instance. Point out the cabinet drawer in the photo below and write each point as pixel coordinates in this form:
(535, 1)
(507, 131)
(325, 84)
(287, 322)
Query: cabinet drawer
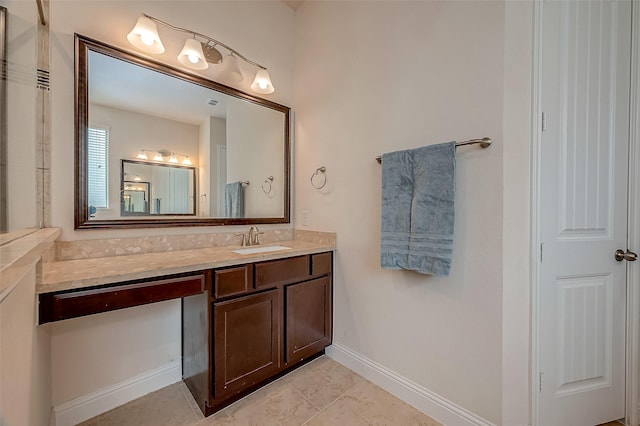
(232, 281)
(283, 271)
(321, 264)
(60, 306)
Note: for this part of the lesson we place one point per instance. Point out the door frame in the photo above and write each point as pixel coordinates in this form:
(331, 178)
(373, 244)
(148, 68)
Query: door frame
(632, 368)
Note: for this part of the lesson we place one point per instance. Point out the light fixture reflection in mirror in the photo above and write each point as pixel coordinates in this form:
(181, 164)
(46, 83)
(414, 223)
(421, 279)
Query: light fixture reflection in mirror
(197, 54)
(161, 154)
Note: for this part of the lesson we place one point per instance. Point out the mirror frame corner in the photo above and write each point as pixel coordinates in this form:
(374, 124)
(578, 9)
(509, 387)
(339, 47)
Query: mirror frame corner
(83, 45)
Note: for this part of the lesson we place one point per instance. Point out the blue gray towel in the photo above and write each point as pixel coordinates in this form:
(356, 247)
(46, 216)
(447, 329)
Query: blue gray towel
(418, 209)
(234, 199)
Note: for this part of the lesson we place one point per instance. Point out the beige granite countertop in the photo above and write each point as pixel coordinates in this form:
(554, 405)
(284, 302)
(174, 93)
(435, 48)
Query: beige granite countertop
(73, 274)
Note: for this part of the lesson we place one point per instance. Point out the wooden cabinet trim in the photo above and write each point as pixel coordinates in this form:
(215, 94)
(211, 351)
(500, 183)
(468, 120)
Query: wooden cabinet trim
(73, 304)
(308, 315)
(259, 365)
(321, 264)
(232, 281)
(274, 273)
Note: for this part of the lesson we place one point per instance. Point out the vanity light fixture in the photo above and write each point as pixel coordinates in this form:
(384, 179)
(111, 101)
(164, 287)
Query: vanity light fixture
(145, 36)
(161, 154)
(192, 55)
(198, 52)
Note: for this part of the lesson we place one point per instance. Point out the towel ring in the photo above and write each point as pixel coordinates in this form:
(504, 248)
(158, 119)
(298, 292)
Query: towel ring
(318, 171)
(268, 180)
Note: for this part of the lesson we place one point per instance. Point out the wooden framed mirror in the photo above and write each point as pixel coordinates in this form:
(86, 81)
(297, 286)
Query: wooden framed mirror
(3, 121)
(130, 107)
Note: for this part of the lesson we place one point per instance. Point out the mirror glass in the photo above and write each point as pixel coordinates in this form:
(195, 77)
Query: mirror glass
(157, 189)
(208, 154)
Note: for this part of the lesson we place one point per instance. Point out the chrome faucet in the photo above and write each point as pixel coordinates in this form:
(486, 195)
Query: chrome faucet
(251, 238)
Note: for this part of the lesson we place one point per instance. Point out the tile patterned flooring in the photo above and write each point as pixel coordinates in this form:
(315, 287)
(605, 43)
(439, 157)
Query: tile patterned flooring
(322, 392)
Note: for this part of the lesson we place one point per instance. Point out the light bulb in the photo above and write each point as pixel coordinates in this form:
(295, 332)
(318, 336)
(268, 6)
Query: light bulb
(145, 36)
(142, 155)
(192, 55)
(187, 161)
(173, 158)
(262, 82)
(147, 39)
(193, 58)
(158, 157)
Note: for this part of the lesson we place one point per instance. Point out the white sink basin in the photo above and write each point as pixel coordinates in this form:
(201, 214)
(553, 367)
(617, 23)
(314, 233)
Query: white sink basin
(265, 249)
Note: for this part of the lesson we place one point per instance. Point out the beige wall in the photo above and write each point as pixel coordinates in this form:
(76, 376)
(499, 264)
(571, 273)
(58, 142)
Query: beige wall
(21, 115)
(373, 77)
(265, 35)
(25, 359)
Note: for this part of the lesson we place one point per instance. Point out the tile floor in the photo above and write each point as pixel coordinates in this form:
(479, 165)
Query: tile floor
(322, 392)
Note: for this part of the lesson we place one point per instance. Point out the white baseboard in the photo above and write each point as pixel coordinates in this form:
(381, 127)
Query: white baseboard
(433, 405)
(85, 407)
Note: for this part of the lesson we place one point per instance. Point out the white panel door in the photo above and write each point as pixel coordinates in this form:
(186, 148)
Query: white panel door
(583, 211)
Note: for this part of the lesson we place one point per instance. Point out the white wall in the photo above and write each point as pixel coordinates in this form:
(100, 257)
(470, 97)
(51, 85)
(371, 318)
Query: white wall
(373, 77)
(516, 225)
(260, 30)
(129, 132)
(255, 152)
(204, 169)
(92, 353)
(217, 181)
(25, 359)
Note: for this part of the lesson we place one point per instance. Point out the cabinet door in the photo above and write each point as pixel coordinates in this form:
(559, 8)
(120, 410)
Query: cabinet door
(308, 318)
(246, 342)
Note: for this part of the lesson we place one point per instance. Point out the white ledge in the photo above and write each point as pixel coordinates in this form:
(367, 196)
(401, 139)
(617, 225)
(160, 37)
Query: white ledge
(18, 256)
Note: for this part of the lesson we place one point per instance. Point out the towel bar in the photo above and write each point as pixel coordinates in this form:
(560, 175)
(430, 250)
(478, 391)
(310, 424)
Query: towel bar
(484, 143)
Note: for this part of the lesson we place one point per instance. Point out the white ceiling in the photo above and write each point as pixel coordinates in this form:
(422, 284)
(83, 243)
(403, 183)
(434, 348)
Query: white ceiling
(119, 84)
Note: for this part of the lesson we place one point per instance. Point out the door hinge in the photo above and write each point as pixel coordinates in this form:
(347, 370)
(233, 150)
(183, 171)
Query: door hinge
(540, 382)
(544, 122)
(541, 247)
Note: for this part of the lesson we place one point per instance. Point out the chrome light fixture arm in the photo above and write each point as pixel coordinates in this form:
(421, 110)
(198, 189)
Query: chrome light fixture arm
(207, 38)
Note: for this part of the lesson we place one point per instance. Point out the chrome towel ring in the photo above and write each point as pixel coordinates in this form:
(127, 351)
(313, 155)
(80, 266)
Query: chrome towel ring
(319, 170)
(268, 180)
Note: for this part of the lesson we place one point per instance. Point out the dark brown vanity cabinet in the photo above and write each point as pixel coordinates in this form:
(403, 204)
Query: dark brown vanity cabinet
(308, 318)
(246, 342)
(256, 322)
